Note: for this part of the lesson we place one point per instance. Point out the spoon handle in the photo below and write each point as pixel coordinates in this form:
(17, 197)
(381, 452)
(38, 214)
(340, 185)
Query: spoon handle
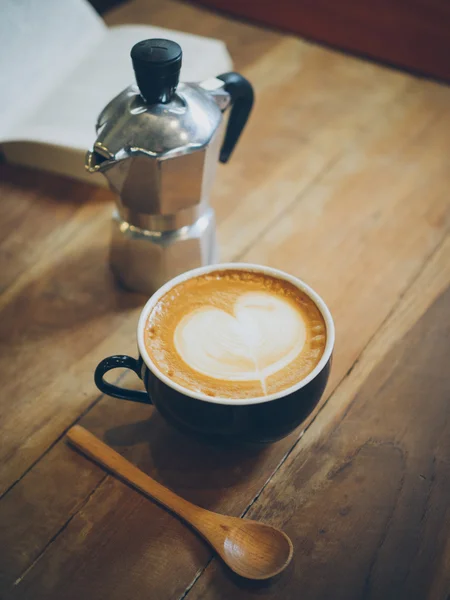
(102, 454)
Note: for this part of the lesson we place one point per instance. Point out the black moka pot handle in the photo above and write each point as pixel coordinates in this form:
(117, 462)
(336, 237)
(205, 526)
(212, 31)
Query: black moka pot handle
(241, 94)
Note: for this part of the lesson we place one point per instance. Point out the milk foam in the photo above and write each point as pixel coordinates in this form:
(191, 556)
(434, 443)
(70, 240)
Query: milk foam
(260, 336)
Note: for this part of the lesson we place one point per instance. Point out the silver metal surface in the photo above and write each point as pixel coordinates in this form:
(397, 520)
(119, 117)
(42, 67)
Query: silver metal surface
(143, 261)
(184, 217)
(161, 160)
(158, 157)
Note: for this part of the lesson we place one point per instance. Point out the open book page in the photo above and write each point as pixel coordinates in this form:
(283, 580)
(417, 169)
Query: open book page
(42, 41)
(68, 115)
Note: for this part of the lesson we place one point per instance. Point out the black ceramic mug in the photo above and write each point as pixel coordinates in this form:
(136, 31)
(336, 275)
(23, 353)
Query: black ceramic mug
(257, 420)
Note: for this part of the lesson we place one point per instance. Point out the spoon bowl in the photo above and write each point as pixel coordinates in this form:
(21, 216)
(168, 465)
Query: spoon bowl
(255, 550)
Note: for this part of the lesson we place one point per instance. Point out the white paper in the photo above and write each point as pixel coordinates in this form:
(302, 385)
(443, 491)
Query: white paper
(42, 41)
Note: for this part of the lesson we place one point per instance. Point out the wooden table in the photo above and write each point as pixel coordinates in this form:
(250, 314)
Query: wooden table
(343, 179)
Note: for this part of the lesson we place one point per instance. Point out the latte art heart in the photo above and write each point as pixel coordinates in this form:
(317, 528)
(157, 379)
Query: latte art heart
(235, 333)
(262, 336)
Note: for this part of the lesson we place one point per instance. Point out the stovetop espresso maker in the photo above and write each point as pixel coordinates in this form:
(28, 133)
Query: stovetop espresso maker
(158, 144)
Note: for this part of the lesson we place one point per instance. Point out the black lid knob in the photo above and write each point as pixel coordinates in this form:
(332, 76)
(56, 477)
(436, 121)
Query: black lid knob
(156, 65)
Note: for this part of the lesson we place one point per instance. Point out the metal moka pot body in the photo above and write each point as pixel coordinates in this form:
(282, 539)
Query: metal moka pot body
(158, 144)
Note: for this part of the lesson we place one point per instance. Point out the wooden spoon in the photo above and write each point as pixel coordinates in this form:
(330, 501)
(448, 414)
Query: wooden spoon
(249, 548)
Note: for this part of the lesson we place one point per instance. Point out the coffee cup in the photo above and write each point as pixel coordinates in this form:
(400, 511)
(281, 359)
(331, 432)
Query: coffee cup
(249, 372)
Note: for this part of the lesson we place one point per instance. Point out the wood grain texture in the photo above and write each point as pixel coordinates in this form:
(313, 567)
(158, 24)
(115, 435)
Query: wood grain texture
(412, 35)
(25, 194)
(341, 178)
(366, 498)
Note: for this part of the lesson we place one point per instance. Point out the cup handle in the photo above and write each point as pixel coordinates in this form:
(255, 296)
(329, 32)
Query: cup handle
(116, 362)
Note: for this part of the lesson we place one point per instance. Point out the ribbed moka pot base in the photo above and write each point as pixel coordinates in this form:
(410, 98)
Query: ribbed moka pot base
(158, 144)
